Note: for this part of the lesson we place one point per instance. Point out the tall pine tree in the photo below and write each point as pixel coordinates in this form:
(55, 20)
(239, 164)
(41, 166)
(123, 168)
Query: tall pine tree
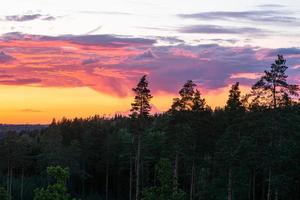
(140, 112)
(272, 89)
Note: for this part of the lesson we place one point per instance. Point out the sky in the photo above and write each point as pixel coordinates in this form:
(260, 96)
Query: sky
(63, 58)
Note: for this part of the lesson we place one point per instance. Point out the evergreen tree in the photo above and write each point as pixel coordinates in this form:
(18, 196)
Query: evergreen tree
(199, 103)
(4, 194)
(56, 191)
(185, 102)
(141, 107)
(234, 104)
(272, 89)
(164, 188)
(140, 112)
(231, 140)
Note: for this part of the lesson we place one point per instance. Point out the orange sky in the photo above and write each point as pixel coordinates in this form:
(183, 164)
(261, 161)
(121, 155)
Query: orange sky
(27, 104)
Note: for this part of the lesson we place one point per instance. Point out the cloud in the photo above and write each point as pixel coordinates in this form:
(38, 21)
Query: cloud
(19, 81)
(271, 6)
(294, 51)
(169, 39)
(103, 12)
(94, 30)
(29, 17)
(262, 16)
(105, 40)
(113, 64)
(145, 56)
(219, 40)
(214, 29)
(30, 110)
(4, 58)
(90, 61)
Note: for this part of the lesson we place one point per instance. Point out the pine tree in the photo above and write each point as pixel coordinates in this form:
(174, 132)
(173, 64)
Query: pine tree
(199, 103)
(141, 106)
(140, 111)
(178, 127)
(234, 103)
(272, 90)
(230, 141)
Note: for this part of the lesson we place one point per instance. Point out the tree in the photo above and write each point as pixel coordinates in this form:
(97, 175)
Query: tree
(4, 194)
(185, 102)
(199, 103)
(179, 122)
(57, 190)
(140, 110)
(230, 141)
(234, 104)
(272, 89)
(164, 188)
(141, 107)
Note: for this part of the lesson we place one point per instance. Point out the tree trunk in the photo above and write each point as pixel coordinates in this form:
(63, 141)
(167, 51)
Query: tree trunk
(8, 177)
(276, 194)
(107, 179)
(175, 178)
(130, 179)
(22, 184)
(10, 182)
(250, 187)
(138, 158)
(269, 185)
(83, 182)
(274, 96)
(192, 181)
(229, 188)
(253, 185)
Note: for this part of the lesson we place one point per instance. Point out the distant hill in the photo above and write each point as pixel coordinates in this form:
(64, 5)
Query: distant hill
(20, 127)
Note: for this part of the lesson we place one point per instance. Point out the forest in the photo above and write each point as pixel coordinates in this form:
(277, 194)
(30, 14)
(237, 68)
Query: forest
(247, 150)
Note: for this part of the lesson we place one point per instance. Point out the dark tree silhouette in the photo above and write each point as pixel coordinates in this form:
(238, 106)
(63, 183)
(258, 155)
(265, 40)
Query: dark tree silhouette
(273, 89)
(140, 111)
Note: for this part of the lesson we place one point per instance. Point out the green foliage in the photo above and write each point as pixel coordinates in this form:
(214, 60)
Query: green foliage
(57, 190)
(4, 194)
(164, 188)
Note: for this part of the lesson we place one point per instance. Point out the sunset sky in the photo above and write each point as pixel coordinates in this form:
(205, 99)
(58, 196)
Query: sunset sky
(81, 58)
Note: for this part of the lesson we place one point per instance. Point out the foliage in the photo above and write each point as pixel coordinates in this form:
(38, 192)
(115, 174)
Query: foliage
(272, 88)
(57, 190)
(164, 187)
(3, 194)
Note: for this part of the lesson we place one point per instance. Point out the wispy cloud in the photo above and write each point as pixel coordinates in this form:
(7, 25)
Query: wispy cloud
(28, 17)
(94, 30)
(19, 81)
(5, 58)
(271, 6)
(29, 110)
(262, 16)
(103, 12)
(214, 29)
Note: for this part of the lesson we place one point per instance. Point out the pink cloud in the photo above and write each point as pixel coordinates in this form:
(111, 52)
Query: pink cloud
(113, 64)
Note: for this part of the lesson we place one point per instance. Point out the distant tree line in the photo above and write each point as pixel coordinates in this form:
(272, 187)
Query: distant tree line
(247, 150)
